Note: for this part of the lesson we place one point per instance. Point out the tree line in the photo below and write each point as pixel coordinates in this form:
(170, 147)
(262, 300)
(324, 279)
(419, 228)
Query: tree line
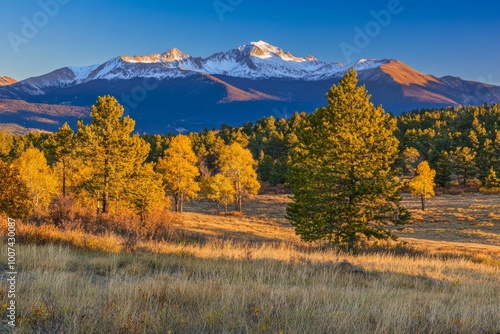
(103, 165)
(344, 163)
(461, 143)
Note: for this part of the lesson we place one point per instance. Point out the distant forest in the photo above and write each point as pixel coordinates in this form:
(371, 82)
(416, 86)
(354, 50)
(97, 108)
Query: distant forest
(461, 143)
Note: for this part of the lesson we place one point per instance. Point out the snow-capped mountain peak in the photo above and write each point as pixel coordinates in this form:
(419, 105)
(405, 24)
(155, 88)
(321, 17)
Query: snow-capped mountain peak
(264, 50)
(5, 81)
(169, 56)
(256, 61)
(366, 64)
(174, 55)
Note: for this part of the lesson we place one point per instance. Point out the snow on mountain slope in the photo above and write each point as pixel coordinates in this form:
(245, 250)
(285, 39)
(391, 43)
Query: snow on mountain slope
(230, 87)
(257, 60)
(5, 81)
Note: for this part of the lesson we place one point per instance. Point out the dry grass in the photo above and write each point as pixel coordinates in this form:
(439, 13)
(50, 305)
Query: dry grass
(250, 274)
(466, 224)
(48, 234)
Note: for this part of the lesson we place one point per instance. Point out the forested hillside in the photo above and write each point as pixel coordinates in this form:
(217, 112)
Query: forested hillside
(462, 143)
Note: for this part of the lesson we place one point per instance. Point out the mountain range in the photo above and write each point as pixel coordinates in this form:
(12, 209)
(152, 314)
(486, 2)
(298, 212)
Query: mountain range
(174, 91)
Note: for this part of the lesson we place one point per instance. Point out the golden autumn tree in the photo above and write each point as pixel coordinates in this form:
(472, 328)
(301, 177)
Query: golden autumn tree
(422, 185)
(15, 198)
(411, 157)
(179, 171)
(237, 164)
(144, 191)
(37, 176)
(219, 189)
(492, 181)
(6, 143)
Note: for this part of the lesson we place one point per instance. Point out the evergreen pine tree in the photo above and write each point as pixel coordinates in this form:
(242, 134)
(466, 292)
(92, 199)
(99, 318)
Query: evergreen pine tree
(443, 170)
(464, 164)
(340, 172)
(106, 146)
(61, 149)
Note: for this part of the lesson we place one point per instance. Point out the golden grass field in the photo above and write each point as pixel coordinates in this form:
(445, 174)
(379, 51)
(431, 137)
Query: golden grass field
(250, 274)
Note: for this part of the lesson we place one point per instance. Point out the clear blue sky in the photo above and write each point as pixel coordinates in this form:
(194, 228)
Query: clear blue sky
(459, 38)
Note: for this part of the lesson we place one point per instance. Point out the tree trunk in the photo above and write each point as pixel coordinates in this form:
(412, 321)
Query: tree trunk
(105, 194)
(239, 203)
(352, 245)
(423, 202)
(240, 195)
(64, 181)
(218, 207)
(176, 203)
(225, 208)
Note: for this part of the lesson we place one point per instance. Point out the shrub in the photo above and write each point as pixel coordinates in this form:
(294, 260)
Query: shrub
(66, 223)
(474, 183)
(158, 225)
(61, 210)
(490, 191)
(455, 191)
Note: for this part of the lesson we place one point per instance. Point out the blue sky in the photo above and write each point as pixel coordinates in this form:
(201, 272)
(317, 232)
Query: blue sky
(460, 38)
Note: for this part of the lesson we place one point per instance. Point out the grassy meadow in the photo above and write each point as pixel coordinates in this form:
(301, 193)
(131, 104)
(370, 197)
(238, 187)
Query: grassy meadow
(249, 273)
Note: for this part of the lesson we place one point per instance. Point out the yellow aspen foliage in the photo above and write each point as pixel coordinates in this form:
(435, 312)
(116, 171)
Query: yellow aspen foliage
(237, 164)
(14, 195)
(38, 177)
(492, 180)
(6, 143)
(219, 189)
(145, 191)
(179, 171)
(422, 185)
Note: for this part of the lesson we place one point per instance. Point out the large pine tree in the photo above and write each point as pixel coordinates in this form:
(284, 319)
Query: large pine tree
(61, 147)
(340, 171)
(107, 146)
